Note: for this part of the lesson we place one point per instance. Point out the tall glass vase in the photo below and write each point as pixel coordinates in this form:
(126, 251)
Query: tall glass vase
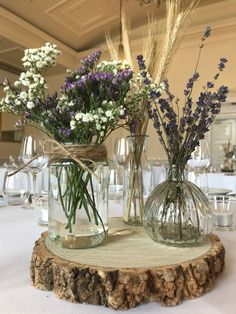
(137, 180)
(177, 212)
(78, 203)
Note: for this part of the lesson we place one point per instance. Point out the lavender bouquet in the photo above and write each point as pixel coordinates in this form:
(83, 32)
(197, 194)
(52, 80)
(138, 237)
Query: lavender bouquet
(78, 121)
(180, 134)
(177, 211)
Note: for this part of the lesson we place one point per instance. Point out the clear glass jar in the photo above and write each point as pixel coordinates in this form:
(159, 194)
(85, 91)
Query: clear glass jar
(177, 212)
(78, 204)
(137, 180)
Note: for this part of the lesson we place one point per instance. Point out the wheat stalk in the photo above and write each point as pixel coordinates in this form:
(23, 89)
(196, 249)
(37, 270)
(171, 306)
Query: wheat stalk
(126, 40)
(150, 45)
(111, 47)
(158, 50)
(176, 22)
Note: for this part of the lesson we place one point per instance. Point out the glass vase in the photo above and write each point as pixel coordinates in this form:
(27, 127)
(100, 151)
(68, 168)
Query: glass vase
(177, 212)
(78, 204)
(137, 180)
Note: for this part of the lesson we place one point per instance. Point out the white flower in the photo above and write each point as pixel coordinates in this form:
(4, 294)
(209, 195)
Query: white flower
(103, 119)
(30, 104)
(109, 113)
(78, 116)
(72, 124)
(85, 118)
(23, 95)
(6, 89)
(70, 104)
(122, 112)
(39, 64)
(17, 102)
(7, 101)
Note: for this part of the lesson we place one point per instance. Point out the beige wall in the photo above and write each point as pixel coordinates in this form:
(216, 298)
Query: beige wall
(7, 123)
(7, 120)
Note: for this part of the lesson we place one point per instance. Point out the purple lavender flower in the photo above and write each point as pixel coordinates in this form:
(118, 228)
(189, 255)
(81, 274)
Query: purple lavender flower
(222, 93)
(149, 109)
(89, 61)
(154, 94)
(180, 134)
(221, 65)
(193, 79)
(206, 33)
(210, 84)
(156, 122)
(141, 63)
(65, 132)
(167, 89)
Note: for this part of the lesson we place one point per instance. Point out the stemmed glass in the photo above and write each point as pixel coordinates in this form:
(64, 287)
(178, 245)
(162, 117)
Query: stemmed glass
(117, 168)
(31, 150)
(200, 160)
(121, 151)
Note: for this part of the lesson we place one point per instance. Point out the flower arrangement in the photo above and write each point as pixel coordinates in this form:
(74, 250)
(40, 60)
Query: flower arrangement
(180, 134)
(79, 120)
(177, 212)
(160, 43)
(91, 103)
(143, 90)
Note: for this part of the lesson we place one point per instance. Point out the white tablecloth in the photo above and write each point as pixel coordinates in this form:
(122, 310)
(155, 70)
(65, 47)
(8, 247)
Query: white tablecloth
(18, 232)
(222, 181)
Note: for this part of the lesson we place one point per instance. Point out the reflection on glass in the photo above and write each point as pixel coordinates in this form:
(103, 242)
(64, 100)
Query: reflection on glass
(31, 150)
(198, 163)
(121, 151)
(16, 187)
(116, 181)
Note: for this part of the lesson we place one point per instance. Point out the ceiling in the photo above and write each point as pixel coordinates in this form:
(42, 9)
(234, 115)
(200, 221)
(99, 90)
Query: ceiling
(78, 26)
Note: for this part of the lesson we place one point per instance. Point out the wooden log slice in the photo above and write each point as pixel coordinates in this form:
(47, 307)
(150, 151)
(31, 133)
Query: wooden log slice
(127, 270)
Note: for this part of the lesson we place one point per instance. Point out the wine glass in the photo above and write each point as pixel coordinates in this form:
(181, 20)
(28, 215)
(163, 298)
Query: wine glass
(32, 157)
(16, 187)
(121, 151)
(198, 163)
(115, 181)
(120, 154)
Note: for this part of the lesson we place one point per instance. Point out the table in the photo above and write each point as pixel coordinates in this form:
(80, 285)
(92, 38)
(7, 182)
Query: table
(18, 232)
(222, 180)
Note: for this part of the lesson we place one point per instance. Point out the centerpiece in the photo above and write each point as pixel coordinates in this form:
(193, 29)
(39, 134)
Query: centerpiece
(177, 211)
(160, 43)
(78, 121)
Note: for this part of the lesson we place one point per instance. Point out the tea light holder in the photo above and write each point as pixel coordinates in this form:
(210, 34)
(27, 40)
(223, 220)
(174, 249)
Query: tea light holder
(224, 211)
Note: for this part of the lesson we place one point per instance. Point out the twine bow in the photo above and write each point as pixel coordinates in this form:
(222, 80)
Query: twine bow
(79, 153)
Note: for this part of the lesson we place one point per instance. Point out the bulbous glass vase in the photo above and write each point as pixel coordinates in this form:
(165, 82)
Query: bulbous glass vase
(177, 212)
